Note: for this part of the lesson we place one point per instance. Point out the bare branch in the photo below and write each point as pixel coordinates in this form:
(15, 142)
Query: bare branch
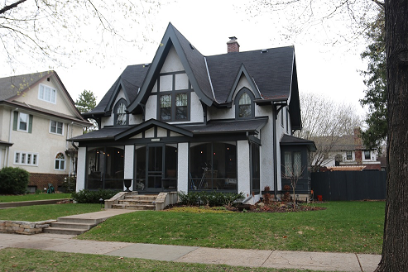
(9, 7)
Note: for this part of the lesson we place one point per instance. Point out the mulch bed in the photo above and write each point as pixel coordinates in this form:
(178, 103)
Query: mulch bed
(273, 207)
(280, 207)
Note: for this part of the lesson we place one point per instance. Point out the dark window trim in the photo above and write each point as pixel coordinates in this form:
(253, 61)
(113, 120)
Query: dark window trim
(236, 101)
(115, 118)
(173, 94)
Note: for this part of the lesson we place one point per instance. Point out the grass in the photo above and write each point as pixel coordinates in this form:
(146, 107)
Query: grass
(45, 212)
(31, 197)
(13, 259)
(342, 227)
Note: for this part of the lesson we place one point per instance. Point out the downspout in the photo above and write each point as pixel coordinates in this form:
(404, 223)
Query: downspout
(9, 138)
(275, 172)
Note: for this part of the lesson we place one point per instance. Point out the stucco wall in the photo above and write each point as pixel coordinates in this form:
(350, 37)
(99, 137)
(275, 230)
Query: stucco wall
(31, 97)
(243, 167)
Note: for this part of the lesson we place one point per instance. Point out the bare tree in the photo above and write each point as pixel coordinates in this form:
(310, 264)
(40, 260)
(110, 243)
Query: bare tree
(59, 30)
(293, 174)
(325, 122)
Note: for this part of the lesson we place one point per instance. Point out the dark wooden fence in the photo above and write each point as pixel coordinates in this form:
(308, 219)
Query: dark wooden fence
(349, 185)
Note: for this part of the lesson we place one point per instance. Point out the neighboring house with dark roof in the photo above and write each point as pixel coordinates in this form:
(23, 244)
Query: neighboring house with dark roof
(188, 122)
(37, 116)
(349, 151)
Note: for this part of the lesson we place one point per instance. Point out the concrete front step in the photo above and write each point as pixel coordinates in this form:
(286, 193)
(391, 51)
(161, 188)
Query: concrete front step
(70, 219)
(70, 225)
(66, 231)
(141, 207)
(142, 197)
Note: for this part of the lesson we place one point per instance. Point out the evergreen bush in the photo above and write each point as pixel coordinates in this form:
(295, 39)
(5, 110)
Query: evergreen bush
(87, 196)
(13, 180)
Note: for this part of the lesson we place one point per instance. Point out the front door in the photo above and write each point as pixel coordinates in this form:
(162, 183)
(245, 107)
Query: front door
(156, 168)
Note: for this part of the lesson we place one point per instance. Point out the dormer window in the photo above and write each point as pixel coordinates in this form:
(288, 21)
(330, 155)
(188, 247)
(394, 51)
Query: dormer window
(121, 117)
(244, 105)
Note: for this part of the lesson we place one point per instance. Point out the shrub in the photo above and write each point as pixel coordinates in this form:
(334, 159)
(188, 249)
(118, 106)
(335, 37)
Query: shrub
(87, 196)
(13, 180)
(69, 185)
(209, 198)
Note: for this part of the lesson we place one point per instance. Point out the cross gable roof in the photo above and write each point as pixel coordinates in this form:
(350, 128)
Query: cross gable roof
(14, 86)
(270, 72)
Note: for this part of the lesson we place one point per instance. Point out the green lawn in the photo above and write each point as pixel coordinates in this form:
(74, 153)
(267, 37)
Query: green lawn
(45, 212)
(13, 259)
(30, 197)
(342, 227)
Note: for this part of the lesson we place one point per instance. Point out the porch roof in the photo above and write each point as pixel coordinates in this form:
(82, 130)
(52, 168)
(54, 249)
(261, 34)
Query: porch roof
(107, 133)
(5, 143)
(228, 126)
(288, 140)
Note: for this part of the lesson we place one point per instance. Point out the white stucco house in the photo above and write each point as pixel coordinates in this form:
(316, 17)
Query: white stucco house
(189, 122)
(37, 116)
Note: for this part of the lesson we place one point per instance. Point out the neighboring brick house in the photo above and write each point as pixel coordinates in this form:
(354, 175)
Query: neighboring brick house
(349, 151)
(189, 122)
(37, 116)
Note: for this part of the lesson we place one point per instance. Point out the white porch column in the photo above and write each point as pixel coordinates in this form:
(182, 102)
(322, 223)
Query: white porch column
(244, 178)
(182, 168)
(81, 169)
(129, 163)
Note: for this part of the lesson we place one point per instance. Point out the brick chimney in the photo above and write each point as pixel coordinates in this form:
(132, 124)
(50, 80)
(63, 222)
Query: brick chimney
(232, 45)
(358, 143)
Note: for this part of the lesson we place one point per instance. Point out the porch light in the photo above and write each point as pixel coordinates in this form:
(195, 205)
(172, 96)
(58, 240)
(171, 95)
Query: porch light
(201, 152)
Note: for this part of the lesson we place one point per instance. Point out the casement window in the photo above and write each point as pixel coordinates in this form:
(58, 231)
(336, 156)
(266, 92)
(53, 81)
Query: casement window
(60, 162)
(349, 155)
(22, 122)
(174, 97)
(292, 164)
(57, 127)
(26, 158)
(121, 118)
(47, 93)
(244, 105)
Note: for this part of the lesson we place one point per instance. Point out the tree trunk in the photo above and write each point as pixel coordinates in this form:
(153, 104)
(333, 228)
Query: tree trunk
(395, 241)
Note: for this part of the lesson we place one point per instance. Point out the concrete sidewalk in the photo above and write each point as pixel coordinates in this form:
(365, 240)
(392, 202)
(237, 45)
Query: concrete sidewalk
(235, 257)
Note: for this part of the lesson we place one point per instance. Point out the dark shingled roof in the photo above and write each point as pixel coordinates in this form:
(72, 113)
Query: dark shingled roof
(292, 140)
(12, 86)
(271, 71)
(131, 78)
(228, 126)
(197, 64)
(106, 133)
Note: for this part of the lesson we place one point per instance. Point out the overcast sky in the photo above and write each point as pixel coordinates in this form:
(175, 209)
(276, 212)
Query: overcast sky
(331, 71)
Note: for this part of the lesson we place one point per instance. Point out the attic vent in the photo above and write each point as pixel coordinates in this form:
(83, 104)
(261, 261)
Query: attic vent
(191, 46)
(264, 51)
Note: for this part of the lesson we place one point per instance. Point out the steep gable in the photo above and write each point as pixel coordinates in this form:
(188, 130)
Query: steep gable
(192, 60)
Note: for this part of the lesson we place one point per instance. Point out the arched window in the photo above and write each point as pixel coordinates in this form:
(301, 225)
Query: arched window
(60, 162)
(121, 117)
(244, 105)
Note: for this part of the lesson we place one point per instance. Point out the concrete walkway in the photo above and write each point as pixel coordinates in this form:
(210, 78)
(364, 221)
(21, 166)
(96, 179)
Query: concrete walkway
(235, 257)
